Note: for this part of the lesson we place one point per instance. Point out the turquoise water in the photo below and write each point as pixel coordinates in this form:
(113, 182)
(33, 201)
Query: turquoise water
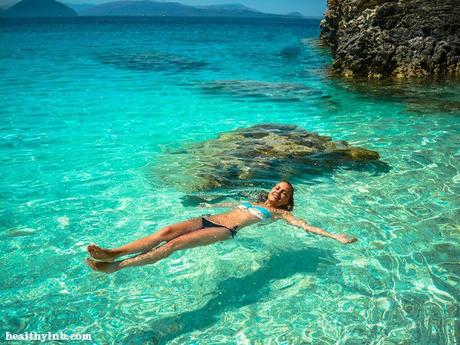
(90, 108)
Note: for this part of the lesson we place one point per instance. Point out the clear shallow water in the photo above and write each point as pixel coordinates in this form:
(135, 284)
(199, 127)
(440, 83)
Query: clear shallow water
(88, 111)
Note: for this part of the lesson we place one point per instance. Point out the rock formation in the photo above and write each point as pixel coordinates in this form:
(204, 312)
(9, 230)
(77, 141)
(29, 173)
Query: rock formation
(254, 155)
(394, 38)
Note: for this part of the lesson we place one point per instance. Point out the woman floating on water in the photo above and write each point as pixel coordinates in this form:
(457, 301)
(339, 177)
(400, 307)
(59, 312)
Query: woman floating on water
(205, 230)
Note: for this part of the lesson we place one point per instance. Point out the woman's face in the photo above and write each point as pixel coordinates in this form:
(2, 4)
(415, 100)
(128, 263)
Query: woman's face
(280, 194)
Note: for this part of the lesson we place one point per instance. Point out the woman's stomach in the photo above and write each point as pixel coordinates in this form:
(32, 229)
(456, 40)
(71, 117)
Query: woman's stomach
(234, 219)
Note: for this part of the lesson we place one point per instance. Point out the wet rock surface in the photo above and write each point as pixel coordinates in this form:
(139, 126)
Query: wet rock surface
(259, 154)
(390, 38)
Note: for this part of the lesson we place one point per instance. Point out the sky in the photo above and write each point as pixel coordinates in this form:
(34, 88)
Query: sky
(314, 8)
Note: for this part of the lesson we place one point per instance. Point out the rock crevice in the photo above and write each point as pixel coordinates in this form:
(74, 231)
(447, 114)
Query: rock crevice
(393, 38)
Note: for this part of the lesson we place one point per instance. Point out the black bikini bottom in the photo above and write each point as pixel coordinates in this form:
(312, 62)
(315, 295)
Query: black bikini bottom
(208, 224)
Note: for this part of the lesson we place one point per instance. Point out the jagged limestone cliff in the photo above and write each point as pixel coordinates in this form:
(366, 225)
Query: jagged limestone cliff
(394, 38)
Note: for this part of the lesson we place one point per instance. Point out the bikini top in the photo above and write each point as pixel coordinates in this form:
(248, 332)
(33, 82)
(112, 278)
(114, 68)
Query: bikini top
(260, 212)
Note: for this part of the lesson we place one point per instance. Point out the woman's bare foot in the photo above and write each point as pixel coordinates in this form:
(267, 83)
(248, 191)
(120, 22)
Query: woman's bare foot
(100, 254)
(106, 267)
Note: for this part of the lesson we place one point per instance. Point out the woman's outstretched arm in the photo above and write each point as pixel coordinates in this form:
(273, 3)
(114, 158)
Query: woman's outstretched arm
(343, 238)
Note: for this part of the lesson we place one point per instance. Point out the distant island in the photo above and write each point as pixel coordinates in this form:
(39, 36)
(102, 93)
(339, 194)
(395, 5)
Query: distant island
(78, 7)
(52, 8)
(38, 8)
(295, 14)
(154, 8)
(230, 7)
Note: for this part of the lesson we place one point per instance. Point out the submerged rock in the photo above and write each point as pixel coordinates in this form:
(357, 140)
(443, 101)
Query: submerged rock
(417, 97)
(151, 61)
(254, 155)
(394, 38)
(291, 52)
(274, 91)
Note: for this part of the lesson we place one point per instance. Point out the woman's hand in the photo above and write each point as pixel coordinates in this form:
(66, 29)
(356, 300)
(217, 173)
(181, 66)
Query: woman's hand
(345, 239)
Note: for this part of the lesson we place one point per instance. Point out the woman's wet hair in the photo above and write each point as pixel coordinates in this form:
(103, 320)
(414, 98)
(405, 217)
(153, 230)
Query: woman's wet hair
(261, 197)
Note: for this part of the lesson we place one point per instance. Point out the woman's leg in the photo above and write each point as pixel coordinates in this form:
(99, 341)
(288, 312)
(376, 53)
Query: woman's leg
(197, 238)
(146, 243)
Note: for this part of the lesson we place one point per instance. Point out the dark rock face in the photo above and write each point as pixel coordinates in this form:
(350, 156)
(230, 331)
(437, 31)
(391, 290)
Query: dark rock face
(394, 38)
(39, 8)
(254, 155)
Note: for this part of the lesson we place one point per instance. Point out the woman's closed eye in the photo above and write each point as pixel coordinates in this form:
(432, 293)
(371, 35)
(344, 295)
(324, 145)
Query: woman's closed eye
(282, 191)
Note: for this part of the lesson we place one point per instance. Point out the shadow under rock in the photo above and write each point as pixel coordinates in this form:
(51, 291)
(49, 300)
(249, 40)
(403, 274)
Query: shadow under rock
(234, 293)
(311, 174)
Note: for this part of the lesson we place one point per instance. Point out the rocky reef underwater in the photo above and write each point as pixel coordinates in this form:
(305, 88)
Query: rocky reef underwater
(262, 90)
(259, 156)
(144, 61)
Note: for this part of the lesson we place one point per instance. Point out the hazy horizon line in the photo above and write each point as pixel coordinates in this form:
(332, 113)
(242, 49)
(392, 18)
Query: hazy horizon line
(4, 4)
